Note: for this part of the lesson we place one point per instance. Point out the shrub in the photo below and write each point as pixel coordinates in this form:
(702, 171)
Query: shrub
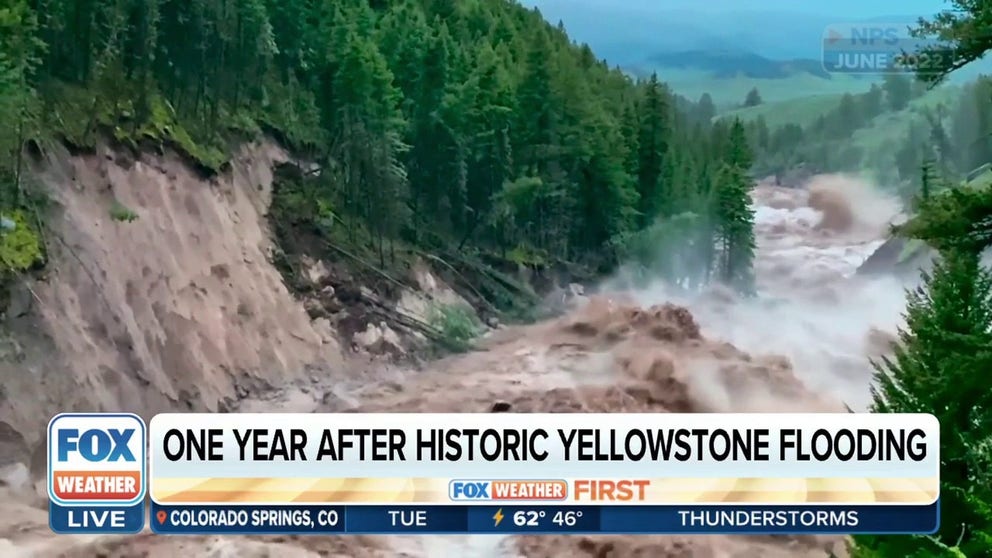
(121, 213)
(457, 323)
(20, 244)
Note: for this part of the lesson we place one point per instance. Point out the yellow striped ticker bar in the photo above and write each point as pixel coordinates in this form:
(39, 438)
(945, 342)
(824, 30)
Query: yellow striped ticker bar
(659, 491)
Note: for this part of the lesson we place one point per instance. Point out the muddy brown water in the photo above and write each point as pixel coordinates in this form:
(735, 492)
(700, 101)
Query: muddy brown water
(802, 345)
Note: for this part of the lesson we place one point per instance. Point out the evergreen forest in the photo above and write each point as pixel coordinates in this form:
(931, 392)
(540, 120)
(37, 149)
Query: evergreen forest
(465, 125)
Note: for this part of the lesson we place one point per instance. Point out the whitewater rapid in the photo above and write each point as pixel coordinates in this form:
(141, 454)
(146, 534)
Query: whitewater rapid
(812, 308)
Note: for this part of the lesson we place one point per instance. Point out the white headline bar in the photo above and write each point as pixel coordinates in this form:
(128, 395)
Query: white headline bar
(544, 445)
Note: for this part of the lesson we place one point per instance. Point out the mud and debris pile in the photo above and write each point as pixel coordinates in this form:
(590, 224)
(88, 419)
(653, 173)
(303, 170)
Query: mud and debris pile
(680, 547)
(607, 356)
(611, 355)
(663, 362)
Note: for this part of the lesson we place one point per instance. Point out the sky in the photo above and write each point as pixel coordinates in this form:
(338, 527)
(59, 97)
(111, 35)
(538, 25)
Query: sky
(627, 31)
(838, 8)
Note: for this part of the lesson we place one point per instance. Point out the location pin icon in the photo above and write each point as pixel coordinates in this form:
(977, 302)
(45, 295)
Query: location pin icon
(160, 516)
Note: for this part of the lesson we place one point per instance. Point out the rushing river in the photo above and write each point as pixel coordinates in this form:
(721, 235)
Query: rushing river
(803, 344)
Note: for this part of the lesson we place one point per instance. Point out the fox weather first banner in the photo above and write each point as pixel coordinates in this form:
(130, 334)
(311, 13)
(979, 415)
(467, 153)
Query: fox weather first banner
(495, 473)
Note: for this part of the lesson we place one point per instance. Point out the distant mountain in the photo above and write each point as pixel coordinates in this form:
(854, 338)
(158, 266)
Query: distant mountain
(729, 64)
(722, 49)
(838, 9)
(629, 33)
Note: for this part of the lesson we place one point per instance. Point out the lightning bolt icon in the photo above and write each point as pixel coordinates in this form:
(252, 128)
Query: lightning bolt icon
(498, 516)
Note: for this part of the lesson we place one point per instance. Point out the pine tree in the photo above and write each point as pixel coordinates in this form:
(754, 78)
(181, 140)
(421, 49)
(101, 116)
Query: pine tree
(940, 142)
(537, 114)
(753, 98)
(911, 153)
(762, 135)
(733, 215)
(734, 228)
(958, 218)
(606, 198)
(926, 180)
(705, 109)
(941, 367)
(491, 147)
(653, 144)
(404, 38)
(536, 141)
(898, 90)
(371, 149)
(849, 116)
(20, 56)
(871, 102)
(738, 151)
(432, 142)
(631, 133)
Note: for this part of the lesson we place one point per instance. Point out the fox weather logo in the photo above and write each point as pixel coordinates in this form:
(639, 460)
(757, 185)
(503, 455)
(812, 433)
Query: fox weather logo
(877, 48)
(96, 473)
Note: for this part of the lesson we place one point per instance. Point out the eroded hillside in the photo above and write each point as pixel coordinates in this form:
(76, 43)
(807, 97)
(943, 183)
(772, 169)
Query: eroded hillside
(175, 309)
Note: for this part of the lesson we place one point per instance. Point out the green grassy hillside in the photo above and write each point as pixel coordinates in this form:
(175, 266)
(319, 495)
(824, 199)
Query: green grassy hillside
(844, 138)
(802, 111)
(805, 110)
(889, 130)
(730, 92)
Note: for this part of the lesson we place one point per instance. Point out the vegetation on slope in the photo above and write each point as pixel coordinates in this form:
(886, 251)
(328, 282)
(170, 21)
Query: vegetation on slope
(801, 111)
(873, 135)
(471, 126)
(940, 367)
(941, 364)
(21, 244)
(729, 90)
(845, 133)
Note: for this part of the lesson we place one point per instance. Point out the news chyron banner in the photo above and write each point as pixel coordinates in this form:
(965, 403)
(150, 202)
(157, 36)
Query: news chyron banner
(500, 473)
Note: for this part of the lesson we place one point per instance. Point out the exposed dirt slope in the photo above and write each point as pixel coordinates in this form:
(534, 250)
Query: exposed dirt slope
(177, 309)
